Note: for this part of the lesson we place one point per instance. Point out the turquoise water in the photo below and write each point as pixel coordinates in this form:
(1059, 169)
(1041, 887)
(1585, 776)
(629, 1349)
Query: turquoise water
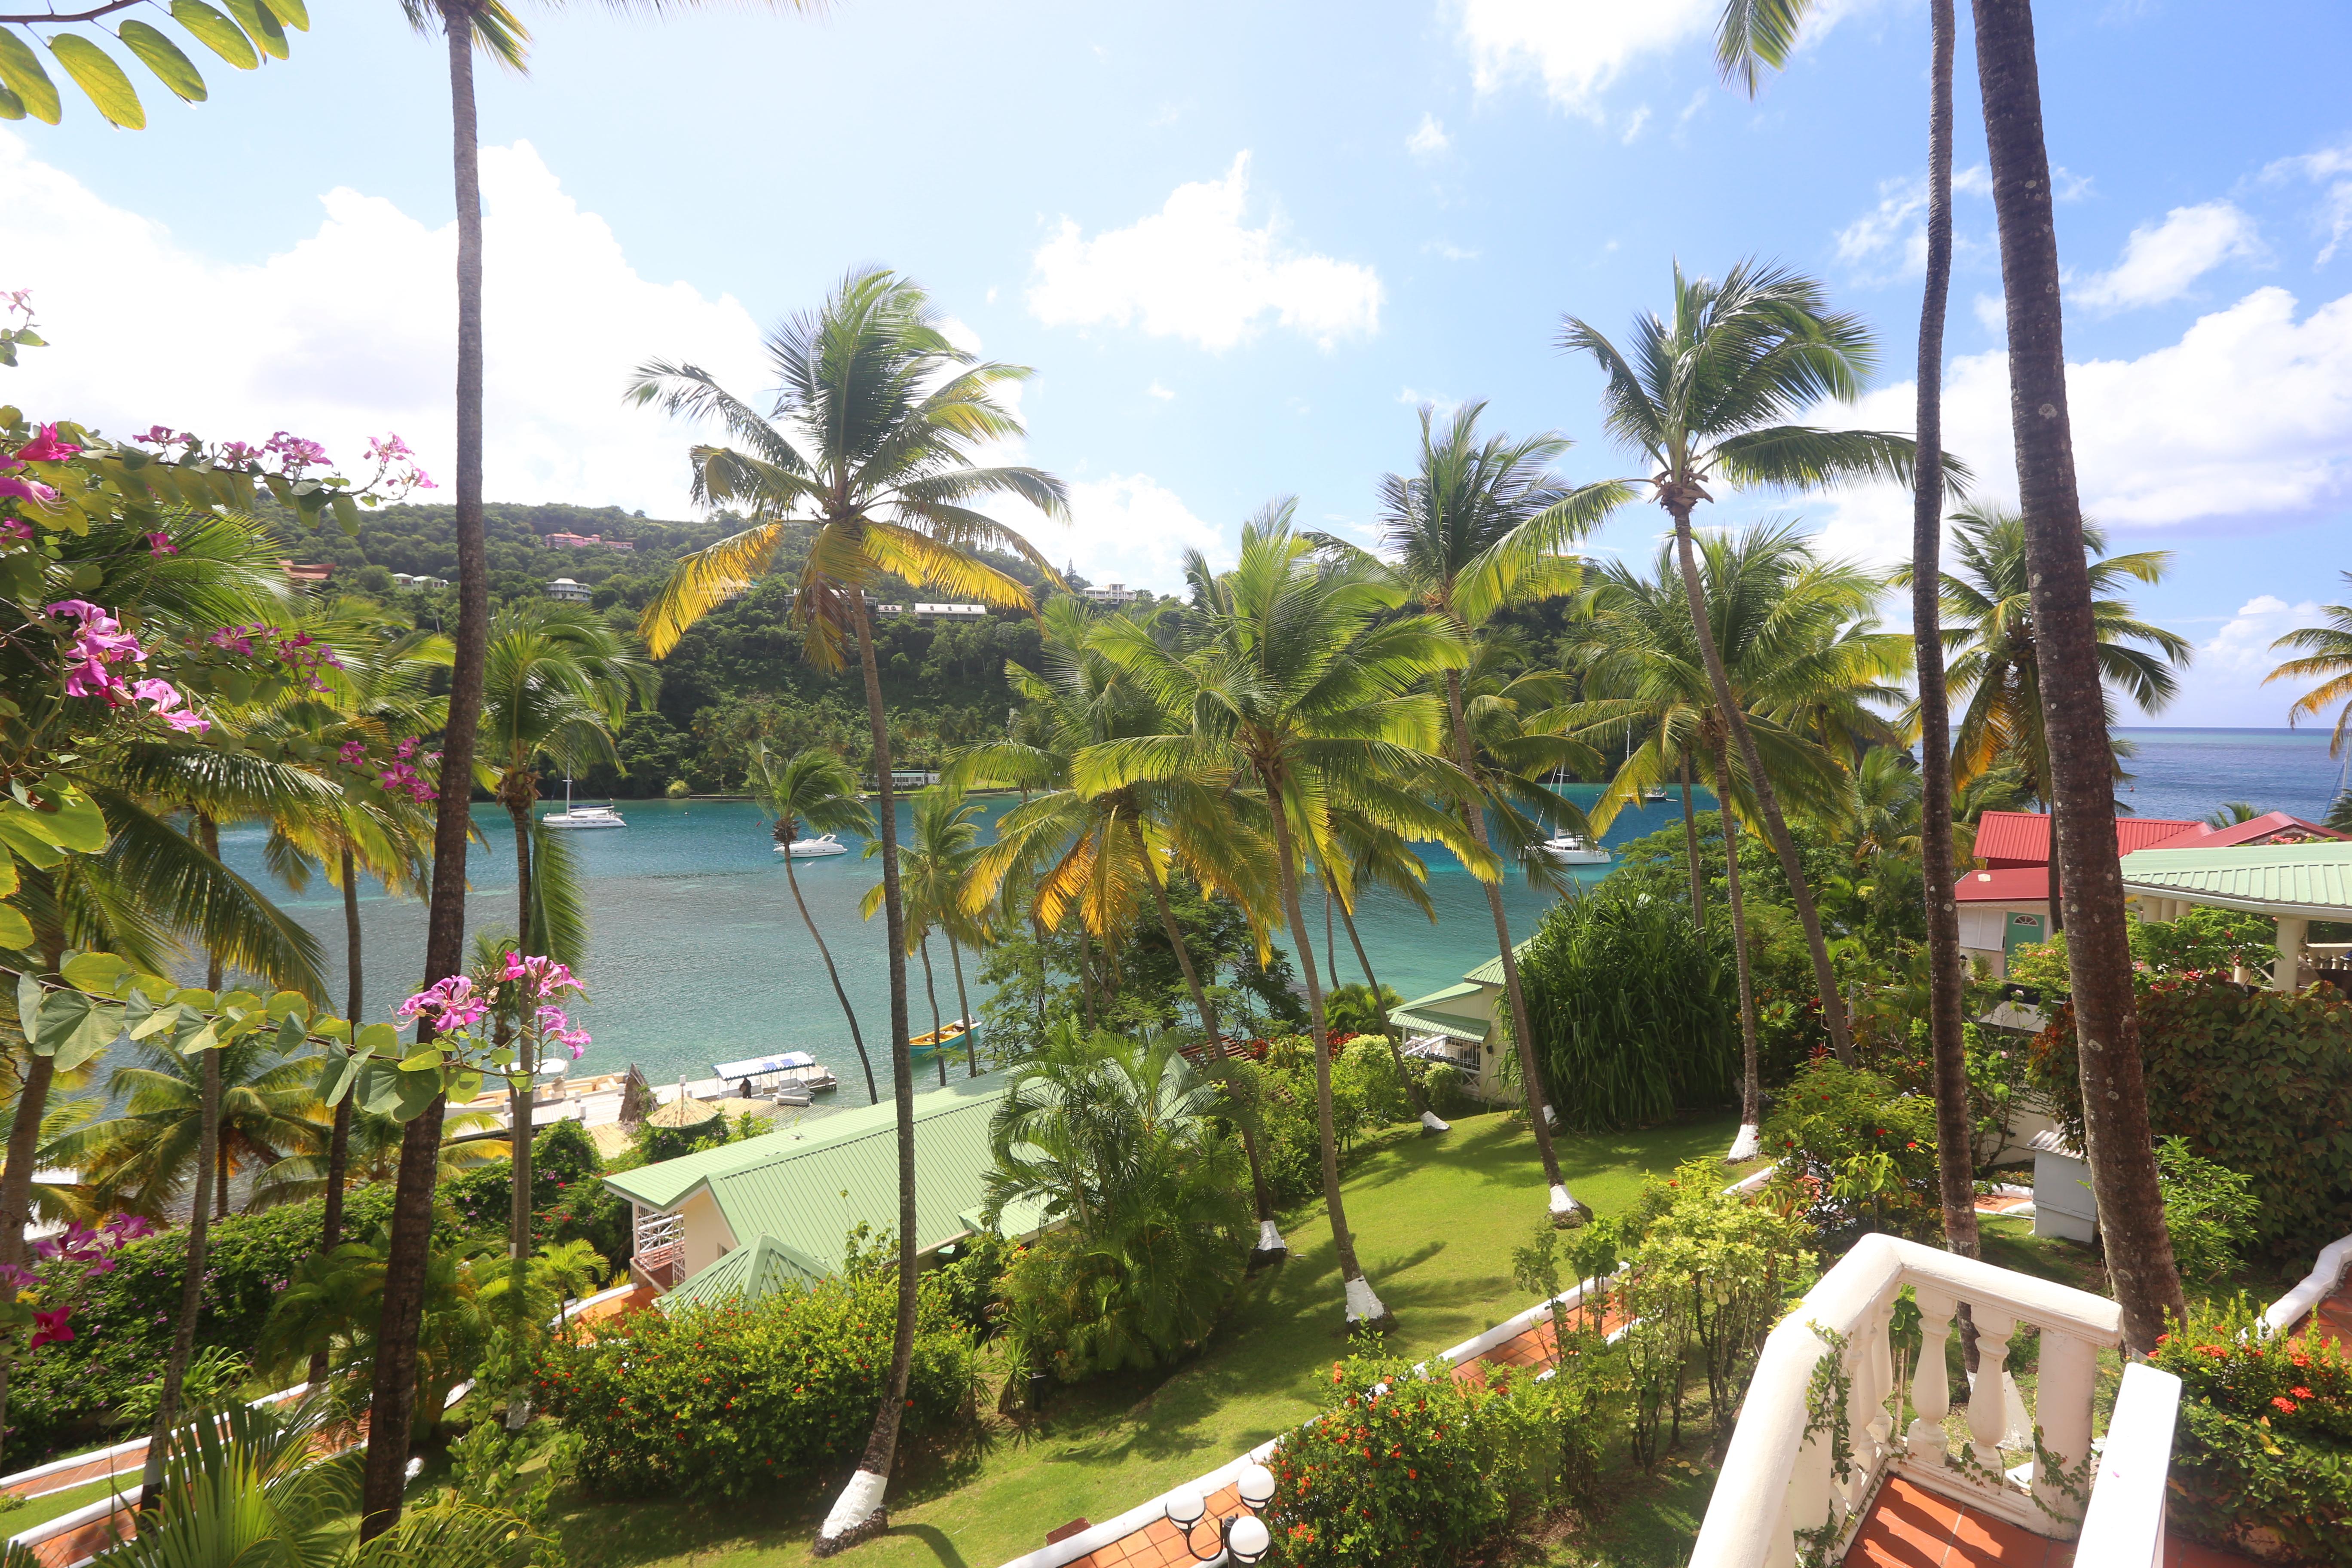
(696, 954)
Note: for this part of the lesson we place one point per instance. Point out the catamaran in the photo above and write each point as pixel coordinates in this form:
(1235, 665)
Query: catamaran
(580, 815)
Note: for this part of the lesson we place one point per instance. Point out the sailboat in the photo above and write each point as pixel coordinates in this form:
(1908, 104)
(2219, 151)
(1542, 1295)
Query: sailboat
(580, 815)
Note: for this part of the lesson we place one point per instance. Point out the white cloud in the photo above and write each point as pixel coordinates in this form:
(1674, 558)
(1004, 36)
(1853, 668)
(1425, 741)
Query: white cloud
(1451, 252)
(1576, 46)
(2243, 646)
(1869, 237)
(349, 332)
(1429, 139)
(1195, 270)
(2331, 168)
(1129, 528)
(2162, 261)
(2248, 417)
(1160, 392)
(1633, 126)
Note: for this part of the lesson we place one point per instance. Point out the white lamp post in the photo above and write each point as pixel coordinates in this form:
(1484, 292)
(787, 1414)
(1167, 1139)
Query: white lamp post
(1242, 1537)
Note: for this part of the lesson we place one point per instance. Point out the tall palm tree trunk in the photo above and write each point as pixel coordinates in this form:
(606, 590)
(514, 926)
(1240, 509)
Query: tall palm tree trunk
(1269, 1234)
(2114, 1095)
(939, 1041)
(1751, 1085)
(963, 1008)
(873, 1094)
(858, 1513)
(1086, 977)
(1430, 1120)
(191, 1287)
(24, 1143)
(1679, 502)
(1330, 942)
(1364, 1304)
(339, 1142)
(1954, 1133)
(392, 1406)
(1565, 1210)
(1690, 852)
(519, 1107)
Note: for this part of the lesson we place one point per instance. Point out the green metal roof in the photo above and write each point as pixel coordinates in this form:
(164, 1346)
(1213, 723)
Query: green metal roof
(1430, 1014)
(746, 1275)
(2310, 881)
(1491, 972)
(807, 1186)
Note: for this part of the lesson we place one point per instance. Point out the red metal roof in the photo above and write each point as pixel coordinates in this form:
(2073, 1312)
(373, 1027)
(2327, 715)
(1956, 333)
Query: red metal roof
(2008, 839)
(2269, 827)
(2009, 884)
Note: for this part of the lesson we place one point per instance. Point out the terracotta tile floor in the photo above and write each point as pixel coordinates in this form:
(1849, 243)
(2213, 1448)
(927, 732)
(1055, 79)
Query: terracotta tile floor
(2333, 1317)
(1910, 1527)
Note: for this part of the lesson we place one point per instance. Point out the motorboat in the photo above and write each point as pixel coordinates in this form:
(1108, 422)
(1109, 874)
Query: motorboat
(580, 815)
(1654, 792)
(789, 1078)
(948, 1038)
(817, 848)
(1571, 849)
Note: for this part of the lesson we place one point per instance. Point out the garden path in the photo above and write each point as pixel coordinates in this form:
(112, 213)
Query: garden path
(1911, 1527)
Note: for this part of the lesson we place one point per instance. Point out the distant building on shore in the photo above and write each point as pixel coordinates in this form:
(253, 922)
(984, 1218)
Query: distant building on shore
(583, 541)
(307, 572)
(416, 580)
(1113, 593)
(568, 591)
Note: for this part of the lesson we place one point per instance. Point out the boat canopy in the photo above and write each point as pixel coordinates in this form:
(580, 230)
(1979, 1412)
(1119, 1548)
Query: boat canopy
(758, 1066)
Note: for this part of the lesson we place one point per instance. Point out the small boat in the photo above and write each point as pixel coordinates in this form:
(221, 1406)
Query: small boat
(1655, 791)
(816, 849)
(789, 1078)
(1570, 849)
(580, 815)
(948, 1038)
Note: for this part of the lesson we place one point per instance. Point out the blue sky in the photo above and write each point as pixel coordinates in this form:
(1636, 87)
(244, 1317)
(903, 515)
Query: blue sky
(1238, 242)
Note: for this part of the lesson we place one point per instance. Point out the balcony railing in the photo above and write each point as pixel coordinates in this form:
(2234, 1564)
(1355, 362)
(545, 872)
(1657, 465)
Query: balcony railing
(1816, 1435)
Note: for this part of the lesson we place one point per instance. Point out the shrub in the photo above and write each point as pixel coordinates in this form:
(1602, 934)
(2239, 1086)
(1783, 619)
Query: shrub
(2202, 941)
(724, 1401)
(567, 1200)
(2259, 1081)
(2206, 1209)
(1854, 1154)
(1634, 1010)
(1353, 1009)
(2266, 1439)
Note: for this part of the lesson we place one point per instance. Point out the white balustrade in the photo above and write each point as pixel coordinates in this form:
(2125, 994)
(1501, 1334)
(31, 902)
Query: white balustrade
(660, 1238)
(1778, 1499)
(2125, 1525)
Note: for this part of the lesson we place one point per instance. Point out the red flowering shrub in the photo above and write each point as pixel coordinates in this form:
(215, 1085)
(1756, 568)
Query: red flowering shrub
(2265, 1436)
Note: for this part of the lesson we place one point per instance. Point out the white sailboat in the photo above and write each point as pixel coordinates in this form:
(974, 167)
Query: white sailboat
(580, 815)
(1570, 849)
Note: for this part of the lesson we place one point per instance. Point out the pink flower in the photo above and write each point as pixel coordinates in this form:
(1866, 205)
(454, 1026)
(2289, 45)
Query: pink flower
(448, 1005)
(161, 544)
(45, 447)
(294, 453)
(50, 1328)
(33, 490)
(237, 455)
(167, 701)
(546, 976)
(11, 529)
(351, 751)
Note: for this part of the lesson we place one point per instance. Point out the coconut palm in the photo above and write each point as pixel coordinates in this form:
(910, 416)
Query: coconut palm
(1995, 654)
(1374, 855)
(1477, 528)
(1292, 675)
(870, 439)
(935, 870)
(814, 791)
(2327, 658)
(1707, 398)
(469, 1140)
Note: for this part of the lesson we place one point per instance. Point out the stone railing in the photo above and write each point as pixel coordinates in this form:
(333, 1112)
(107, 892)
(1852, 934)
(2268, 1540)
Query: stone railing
(1817, 1432)
(2125, 1526)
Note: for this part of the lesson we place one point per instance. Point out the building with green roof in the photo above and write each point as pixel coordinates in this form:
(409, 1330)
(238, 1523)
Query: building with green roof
(793, 1195)
(1457, 1025)
(2293, 883)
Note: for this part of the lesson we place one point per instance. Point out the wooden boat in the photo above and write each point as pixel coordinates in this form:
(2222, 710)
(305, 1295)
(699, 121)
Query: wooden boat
(949, 1038)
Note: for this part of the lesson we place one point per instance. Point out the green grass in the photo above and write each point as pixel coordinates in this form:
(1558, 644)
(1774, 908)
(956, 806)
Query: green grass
(56, 1505)
(1435, 1221)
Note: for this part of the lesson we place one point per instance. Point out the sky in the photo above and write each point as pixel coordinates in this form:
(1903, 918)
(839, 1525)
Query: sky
(1239, 244)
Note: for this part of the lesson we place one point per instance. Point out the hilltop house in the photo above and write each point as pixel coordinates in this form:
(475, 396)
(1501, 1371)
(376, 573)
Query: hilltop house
(1456, 1024)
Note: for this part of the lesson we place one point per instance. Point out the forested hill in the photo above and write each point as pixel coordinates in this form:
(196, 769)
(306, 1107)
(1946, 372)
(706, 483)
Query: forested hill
(738, 678)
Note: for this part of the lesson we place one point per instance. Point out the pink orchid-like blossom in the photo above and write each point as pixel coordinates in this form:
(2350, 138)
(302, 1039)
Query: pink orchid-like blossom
(99, 644)
(237, 455)
(351, 751)
(50, 1328)
(39, 494)
(168, 706)
(448, 1005)
(294, 453)
(45, 447)
(160, 543)
(546, 977)
(555, 1028)
(11, 529)
(20, 301)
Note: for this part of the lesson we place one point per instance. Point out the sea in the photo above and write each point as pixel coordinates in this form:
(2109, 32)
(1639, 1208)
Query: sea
(696, 955)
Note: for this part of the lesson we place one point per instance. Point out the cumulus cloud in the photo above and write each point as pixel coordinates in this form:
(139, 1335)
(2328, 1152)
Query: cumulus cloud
(1429, 139)
(1130, 528)
(2161, 262)
(349, 331)
(2243, 646)
(1576, 48)
(2248, 417)
(1195, 269)
(2332, 168)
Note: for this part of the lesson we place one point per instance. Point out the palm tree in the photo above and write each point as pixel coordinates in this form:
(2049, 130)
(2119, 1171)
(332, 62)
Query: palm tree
(1378, 856)
(1475, 529)
(935, 870)
(1292, 674)
(2327, 658)
(1995, 656)
(1706, 399)
(870, 439)
(2081, 778)
(1799, 655)
(814, 791)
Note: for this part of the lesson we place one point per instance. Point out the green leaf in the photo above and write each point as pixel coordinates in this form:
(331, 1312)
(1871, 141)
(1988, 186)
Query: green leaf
(161, 55)
(17, 833)
(15, 931)
(11, 108)
(98, 973)
(94, 70)
(150, 1019)
(293, 12)
(9, 877)
(73, 1027)
(386, 1090)
(260, 26)
(217, 33)
(347, 514)
(20, 68)
(378, 1037)
(341, 1071)
(28, 1001)
(465, 1085)
(430, 1056)
(290, 1034)
(290, 1005)
(76, 823)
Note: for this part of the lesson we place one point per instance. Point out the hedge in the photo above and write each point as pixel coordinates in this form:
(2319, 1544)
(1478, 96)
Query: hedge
(2257, 1080)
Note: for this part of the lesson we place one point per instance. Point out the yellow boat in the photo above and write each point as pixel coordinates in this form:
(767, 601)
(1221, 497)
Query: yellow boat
(948, 1038)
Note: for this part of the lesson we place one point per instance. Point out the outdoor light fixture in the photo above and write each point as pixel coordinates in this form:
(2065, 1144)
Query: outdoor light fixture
(1241, 1537)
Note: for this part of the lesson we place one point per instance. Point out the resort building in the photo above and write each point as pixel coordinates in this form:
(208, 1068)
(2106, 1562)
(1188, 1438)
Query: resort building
(568, 591)
(935, 612)
(780, 1205)
(1457, 1026)
(583, 541)
(2005, 901)
(1112, 594)
(412, 580)
(307, 572)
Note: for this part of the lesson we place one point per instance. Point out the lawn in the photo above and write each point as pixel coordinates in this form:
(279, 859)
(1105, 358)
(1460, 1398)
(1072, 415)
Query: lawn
(1435, 1222)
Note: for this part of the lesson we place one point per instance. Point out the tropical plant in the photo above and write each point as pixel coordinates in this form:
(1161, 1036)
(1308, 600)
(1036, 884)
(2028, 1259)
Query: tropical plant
(2327, 658)
(935, 870)
(1123, 1139)
(1707, 398)
(870, 440)
(259, 30)
(1292, 675)
(814, 792)
(335, 1303)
